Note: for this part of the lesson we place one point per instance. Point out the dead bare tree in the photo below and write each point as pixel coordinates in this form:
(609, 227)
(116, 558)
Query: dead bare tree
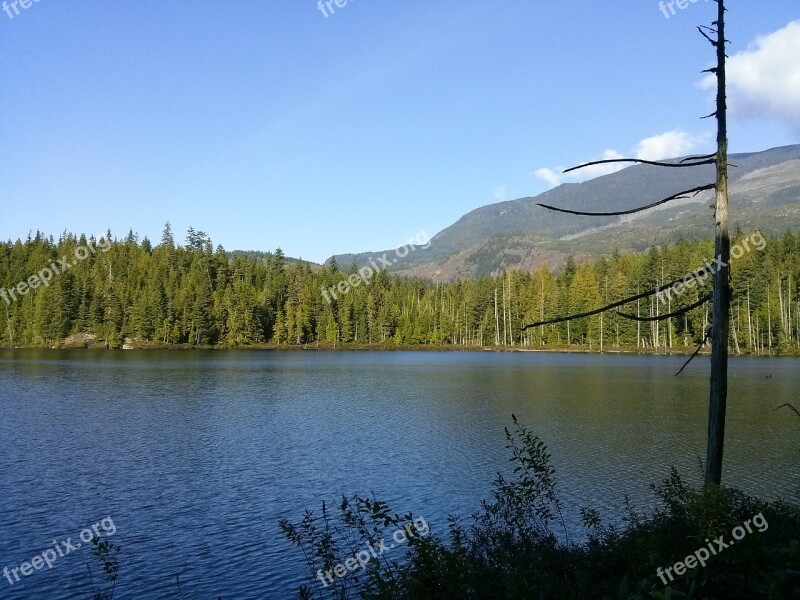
(722, 250)
(721, 296)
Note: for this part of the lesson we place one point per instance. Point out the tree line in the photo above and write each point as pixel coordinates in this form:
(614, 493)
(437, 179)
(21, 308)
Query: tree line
(195, 294)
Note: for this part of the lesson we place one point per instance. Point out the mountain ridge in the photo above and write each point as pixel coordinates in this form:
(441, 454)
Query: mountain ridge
(765, 194)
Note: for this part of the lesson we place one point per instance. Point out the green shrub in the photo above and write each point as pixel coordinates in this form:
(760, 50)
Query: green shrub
(516, 545)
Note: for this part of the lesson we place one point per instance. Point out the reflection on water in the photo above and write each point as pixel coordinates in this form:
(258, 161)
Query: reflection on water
(196, 455)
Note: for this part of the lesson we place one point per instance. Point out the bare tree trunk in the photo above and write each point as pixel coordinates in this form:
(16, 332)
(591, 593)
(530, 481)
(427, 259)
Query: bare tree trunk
(496, 321)
(722, 248)
(669, 323)
(751, 338)
(735, 338)
(780, 304)
(759, 339)
(505, 326)
(789, 309)
(541, 310)
(769, 317)
(601, 332)
(686, 330)
(657, 334)
(638, 315)
(654, 324)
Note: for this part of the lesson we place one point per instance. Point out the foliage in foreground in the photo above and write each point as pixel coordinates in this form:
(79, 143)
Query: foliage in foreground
(516, 545)
(106, 556)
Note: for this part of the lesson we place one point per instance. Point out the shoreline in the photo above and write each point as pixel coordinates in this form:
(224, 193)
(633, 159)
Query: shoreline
(149, 346)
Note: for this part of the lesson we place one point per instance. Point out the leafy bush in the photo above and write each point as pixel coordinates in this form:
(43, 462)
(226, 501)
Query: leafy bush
(510, 548)
(106, 555)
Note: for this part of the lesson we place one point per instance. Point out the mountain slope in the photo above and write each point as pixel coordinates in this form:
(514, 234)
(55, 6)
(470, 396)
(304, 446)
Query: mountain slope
(765, 194)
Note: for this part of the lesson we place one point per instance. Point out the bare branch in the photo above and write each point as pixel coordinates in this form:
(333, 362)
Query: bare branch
(696, 352)
(678, 196)
(701, 157)
(706, 160)
(664, 317)
(583, 315)
(714, 43)
(699, 273)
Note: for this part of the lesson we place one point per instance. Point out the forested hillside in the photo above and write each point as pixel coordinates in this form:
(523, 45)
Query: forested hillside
(196, 295)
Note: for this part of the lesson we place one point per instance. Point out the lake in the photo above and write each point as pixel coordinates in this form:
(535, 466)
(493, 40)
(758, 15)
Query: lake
(196, 455)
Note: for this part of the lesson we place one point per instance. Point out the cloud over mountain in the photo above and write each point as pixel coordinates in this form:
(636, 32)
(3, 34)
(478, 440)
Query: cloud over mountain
(764, 80)
(658, 147)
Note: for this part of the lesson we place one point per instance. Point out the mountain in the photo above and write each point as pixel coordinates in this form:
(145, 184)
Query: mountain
(765, 195)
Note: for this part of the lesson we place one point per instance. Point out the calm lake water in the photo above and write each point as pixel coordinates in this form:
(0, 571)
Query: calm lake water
(196, 455)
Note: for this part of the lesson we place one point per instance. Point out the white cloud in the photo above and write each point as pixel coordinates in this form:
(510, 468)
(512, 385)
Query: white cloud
(764, 80)
(500, 193)
(658, 147)
(550, 176)
(667, 145)
(556, 177)
(599, 170)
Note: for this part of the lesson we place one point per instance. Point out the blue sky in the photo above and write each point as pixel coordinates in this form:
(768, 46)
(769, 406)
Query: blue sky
(268, 124)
